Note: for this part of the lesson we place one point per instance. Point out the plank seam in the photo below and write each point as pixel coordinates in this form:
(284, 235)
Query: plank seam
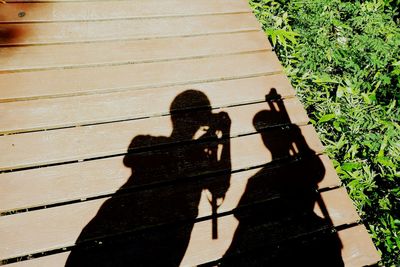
(61, 1)
(111, 155)
(128, 118)
(133, 62)
(125, 18)
(56, 250)
(332, 229)
(131, 39)
(178, 180)
(122, 89)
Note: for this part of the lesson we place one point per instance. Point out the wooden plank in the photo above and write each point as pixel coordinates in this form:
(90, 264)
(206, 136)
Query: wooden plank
(58, 184)
(56, 83)
(26, 234)
(64, 1)
(79, 143)
(83, 110)
(357, 250)
(128, 51)
(88, 31)
(95, 10)
(55, 260)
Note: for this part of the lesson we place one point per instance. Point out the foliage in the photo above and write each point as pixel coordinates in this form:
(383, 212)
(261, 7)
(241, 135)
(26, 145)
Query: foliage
(343, 58)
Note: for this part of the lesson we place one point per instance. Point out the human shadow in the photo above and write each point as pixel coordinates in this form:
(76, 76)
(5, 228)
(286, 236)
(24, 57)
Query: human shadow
(149, 220)
(278, 227)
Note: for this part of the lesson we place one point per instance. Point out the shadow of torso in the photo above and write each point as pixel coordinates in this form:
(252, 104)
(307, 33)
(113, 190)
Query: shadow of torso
(146, 217)
(281, 231)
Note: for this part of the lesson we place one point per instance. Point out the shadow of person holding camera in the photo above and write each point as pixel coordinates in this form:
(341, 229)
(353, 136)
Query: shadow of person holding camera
(278, 227)
(149, 220)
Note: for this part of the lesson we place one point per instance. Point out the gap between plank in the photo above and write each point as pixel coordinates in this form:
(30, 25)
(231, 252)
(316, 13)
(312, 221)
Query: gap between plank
(270, 166)
(57, 163)
(154, 115)
(129, 38)
(133, 62)
(220, 215)
(125, 18)
(142, 87)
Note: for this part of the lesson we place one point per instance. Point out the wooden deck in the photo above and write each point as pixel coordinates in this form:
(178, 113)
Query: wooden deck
(101, 103)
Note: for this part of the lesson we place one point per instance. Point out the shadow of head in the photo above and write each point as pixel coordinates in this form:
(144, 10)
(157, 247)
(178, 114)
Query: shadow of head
(274, 139)
(190, 110)
(279, 134)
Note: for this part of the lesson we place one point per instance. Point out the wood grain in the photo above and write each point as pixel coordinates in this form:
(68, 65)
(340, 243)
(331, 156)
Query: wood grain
(26, 233)
(56, 83)
(108, 107)
(83, 180)
(358, 247)
(79, 143)
(128, 51)
(89, 31)
(357, 250)
(95, 10)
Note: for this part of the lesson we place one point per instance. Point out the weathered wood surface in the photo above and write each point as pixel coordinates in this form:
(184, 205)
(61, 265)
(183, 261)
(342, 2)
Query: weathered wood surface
(354, 241)
(69, 82)
(99, 108)
(128, 51)
(98, 10)
(79, 80)
(79, 143)
(27, 234)
(85, 180)
(103, 30)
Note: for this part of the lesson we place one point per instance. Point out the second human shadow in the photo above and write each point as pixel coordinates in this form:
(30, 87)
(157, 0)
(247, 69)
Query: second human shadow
(277, 223)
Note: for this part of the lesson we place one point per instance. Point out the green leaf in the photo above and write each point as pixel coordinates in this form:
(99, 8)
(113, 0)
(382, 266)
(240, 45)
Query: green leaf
(325, 79)
(350, 166)
(336, 124)
(340, 91)
(326, 118)
(385, 161)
